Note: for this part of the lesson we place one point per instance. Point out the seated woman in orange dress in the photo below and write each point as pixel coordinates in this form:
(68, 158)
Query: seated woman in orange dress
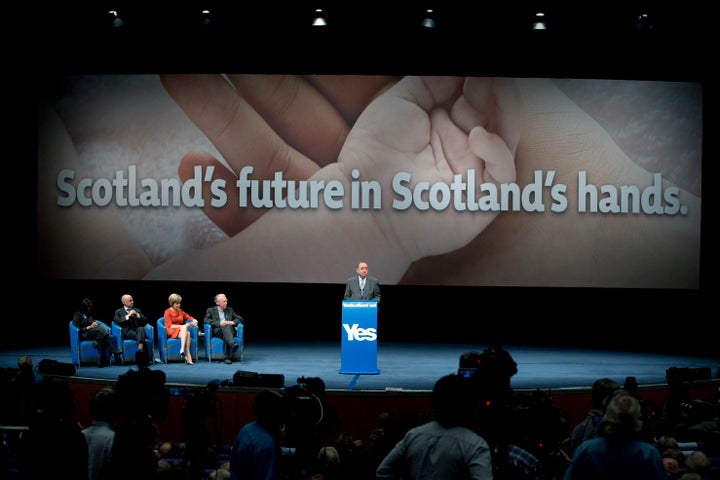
(177, 323)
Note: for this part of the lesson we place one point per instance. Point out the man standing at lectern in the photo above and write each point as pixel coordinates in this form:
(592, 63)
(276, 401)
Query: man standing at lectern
(362, 286)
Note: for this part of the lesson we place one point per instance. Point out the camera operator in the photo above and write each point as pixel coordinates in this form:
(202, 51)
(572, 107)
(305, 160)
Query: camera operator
(142, 399)
(132, 324)
(524, 431)
(309, 421)
(490, 374)
(672, 417)
(201, 450)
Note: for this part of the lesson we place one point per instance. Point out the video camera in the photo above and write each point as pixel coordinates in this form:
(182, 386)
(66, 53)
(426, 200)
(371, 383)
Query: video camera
(201, 402)
(307, 402)
(493, 367)
(143, 392)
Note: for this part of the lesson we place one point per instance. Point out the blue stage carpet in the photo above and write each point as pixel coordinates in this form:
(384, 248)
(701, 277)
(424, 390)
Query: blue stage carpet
(403, 366)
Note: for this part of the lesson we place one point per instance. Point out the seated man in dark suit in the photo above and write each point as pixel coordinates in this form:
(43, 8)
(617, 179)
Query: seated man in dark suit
(132, 322)
(224, 322)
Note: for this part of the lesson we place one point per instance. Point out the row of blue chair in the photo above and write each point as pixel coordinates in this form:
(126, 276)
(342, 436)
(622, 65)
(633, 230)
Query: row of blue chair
(83, 352)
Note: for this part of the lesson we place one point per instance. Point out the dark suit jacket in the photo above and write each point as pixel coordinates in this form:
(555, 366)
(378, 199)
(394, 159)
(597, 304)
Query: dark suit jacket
(371, 291)
(129, 323)
(212, 317)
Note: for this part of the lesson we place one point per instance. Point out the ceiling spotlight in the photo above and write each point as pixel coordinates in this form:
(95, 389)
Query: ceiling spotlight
(428, 19)
(320, 19)
(643, 23)
(539, 22)
(115, 20)
(206, 18)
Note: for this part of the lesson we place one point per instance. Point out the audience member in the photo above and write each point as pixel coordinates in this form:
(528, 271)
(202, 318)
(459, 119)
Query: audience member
(445, 447)
(672, 419)
(90, 329)
(392, 427)
(665, 442)
(172, 461)
(691, 476)
(649, 409)
(54, 442)
(201, 446)
(256, 451)
(171, 450)
(698, 462)
(328, 465)
(673, 459)
(177, 323)
(26, 375)
(142, 399)
(19, 385)
(702, 423)
(101, 434)
(602, 388)
(133, 454)
(221, 473)
(355, 461)
(535, 428)
(523, 464)
(224, 321)
(132, 325)
(617, 454)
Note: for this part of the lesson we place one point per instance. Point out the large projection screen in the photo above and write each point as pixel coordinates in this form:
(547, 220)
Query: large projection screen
(449, 181)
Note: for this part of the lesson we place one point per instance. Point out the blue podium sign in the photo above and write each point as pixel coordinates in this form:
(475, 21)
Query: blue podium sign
(359, 337)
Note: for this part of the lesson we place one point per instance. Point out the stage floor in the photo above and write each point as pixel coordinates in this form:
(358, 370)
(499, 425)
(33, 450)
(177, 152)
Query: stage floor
(403, 366)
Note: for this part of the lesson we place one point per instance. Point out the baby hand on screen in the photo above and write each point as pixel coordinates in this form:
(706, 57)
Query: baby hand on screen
(424, 133)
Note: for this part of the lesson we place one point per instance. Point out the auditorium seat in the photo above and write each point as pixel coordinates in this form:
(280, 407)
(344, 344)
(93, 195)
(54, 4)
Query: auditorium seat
(169, 348)
(82, 351)
(214, 345)
(129, 347)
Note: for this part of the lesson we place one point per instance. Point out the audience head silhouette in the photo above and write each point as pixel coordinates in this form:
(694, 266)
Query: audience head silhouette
(623, 416)
(602, 389)
(103, 406)
(454, 401)
(271, 409)
(698, 462)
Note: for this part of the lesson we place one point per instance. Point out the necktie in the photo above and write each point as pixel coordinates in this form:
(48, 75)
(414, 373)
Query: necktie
(362, 284)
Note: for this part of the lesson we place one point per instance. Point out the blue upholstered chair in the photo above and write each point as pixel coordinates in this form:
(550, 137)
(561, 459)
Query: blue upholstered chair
(129, 346)
(83, 352)
(169, 348)
(214, 345)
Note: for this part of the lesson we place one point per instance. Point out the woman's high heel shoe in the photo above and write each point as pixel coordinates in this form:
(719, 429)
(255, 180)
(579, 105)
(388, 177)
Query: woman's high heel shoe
(181, 355)
(189, 362)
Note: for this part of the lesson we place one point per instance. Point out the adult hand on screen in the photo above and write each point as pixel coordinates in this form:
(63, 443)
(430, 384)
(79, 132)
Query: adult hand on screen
(76, 242)
(274, 123)
(429, 128)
